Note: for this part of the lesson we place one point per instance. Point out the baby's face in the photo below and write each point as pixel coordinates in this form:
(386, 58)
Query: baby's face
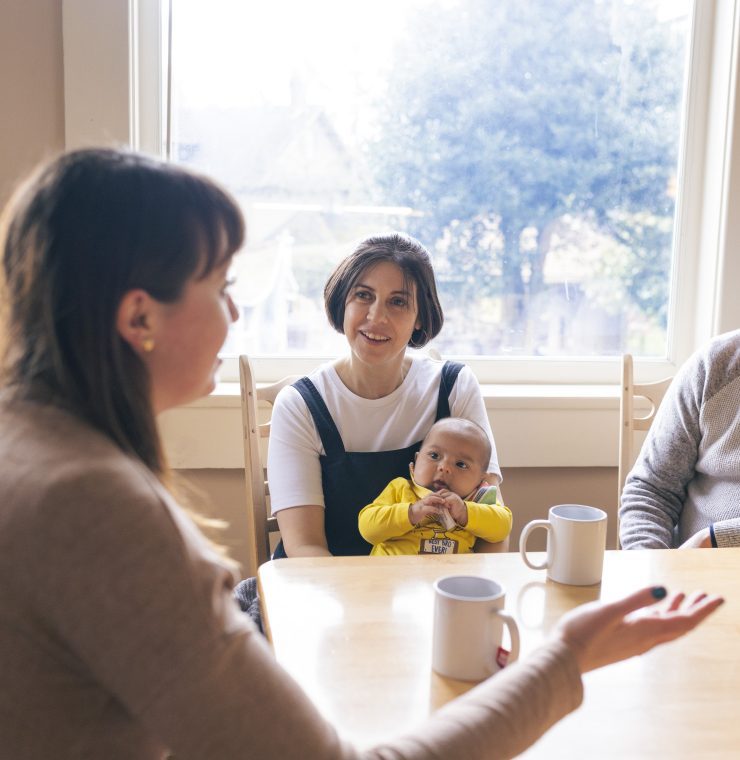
(449, 459)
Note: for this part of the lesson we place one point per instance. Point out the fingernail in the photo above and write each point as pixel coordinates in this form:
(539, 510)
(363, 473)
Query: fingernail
(658, 592)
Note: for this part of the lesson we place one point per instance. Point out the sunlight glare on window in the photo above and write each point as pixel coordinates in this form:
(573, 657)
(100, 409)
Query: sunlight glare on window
(531, 145)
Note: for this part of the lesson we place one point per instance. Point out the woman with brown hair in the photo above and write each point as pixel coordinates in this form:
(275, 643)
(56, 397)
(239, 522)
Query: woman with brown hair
(341, 434)
(119, 636)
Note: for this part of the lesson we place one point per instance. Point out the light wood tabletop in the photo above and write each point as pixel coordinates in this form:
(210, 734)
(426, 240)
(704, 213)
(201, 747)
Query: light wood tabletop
(355, 632)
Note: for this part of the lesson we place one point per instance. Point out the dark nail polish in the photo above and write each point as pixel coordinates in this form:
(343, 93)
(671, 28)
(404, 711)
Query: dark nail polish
(658, 592)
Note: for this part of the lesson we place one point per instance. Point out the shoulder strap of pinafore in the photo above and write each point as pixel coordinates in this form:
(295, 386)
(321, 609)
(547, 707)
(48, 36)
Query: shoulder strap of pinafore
(325, 427)
(450, 371)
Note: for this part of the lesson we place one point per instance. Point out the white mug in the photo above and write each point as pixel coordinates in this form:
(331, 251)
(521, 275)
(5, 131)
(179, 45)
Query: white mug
(576, 539)
(469, 627)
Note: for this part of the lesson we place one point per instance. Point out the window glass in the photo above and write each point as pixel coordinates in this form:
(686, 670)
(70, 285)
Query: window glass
(531, 145)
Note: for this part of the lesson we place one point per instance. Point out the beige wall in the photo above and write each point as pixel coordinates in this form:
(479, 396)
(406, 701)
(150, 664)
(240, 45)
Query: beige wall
(530, 492)
(31, 87)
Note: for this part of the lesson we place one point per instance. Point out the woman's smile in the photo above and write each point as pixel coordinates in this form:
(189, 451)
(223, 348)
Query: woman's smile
(374, 337)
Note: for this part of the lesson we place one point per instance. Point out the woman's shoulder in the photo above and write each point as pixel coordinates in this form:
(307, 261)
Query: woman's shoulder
(722, 360)
(292, 421)
(710, 370)
(73, 492)
(318, 377)
(433, 366)
(422, 362)
(59, 460)
(426, 372)
(49, 435)
(73, 486)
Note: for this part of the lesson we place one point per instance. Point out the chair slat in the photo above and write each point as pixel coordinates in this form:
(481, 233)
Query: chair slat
(629, 421)
(260, 522)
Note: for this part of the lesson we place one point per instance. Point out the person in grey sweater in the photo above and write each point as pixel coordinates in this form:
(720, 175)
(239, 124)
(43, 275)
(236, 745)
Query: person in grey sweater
(684, 490)
(119, 634)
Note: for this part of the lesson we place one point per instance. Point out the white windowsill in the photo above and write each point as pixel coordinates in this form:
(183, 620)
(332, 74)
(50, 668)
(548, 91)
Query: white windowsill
(534, 426)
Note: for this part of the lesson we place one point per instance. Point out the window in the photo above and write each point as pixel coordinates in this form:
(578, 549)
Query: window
(630, 257)
(532, 146)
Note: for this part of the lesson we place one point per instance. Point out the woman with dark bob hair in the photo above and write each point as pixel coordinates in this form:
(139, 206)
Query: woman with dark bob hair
(119, 635)
(340, 435)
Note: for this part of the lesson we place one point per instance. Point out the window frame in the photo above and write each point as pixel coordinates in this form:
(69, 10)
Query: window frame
(120, 103)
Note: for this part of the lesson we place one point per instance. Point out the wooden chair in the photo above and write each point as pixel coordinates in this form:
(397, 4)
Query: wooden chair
(629, 423)
(260, 523)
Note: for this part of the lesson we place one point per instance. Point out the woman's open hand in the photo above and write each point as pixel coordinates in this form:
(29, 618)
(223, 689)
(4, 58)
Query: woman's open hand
(600, 634)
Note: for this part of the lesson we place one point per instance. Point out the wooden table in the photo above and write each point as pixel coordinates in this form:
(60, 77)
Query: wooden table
(355, 632)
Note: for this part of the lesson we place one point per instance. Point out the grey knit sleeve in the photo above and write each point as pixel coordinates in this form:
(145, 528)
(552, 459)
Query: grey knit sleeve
(727, 533)
(654, 493)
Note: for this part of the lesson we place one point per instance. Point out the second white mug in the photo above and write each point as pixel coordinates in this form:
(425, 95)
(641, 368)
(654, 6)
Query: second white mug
(469, 621)
(576, 540)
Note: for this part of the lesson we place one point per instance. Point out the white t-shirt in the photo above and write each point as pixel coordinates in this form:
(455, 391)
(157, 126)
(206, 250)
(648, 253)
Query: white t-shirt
(384, 424)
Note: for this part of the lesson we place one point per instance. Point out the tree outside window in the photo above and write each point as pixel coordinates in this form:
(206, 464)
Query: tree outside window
(531, 145)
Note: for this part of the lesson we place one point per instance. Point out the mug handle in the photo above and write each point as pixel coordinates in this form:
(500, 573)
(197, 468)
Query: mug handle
(510, 623)
(528, 528)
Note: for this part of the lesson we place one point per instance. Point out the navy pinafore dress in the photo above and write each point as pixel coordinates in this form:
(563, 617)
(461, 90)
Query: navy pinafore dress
(352, 479)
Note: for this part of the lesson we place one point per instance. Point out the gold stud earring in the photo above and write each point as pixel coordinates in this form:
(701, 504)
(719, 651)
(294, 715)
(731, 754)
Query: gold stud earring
(148, 345)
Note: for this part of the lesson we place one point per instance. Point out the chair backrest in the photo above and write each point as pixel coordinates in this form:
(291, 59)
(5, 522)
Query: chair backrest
(629, 423)
(260, 523)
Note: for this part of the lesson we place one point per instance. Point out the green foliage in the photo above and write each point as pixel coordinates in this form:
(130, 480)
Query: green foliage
(503, 117)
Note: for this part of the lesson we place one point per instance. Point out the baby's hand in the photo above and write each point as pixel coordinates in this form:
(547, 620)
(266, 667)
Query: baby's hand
(425, 509)
(456, 506)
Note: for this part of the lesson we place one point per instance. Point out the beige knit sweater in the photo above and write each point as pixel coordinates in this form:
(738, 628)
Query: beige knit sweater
(119, 637)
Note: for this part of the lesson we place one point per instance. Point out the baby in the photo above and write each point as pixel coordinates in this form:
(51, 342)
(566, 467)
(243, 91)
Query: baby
(445, 504)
